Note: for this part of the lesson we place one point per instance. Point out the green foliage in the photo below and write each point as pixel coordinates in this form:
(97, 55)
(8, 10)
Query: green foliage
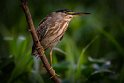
(92, 50)
(21, 56)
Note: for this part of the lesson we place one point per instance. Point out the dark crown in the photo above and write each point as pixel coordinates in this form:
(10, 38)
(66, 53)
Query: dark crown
(64, 10)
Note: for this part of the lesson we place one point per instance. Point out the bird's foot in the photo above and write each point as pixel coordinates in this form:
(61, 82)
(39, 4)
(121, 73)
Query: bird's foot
(40, 47)
(51, 68)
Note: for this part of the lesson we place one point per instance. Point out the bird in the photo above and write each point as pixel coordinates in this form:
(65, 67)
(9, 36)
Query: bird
(52, 28)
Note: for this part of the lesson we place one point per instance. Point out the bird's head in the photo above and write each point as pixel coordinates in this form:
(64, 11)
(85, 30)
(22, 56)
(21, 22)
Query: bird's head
(69, 14)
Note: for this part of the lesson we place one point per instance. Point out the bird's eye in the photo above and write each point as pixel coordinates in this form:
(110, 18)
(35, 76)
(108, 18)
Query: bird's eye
(69, 16)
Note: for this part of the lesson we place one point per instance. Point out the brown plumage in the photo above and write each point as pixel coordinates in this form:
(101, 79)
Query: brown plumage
(52, 28)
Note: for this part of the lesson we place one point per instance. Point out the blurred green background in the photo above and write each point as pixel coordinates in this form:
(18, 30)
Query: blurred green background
(92, 50)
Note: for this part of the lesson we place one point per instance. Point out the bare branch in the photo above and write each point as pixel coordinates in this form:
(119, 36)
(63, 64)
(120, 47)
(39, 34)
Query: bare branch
(24, 5)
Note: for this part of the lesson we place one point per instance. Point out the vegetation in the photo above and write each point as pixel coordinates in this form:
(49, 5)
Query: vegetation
(91, 51)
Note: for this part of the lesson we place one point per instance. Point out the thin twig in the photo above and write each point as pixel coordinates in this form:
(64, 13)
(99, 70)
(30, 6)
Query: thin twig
(37, 43)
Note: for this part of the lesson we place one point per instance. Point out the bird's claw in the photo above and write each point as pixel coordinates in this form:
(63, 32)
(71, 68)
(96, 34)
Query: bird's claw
(54, 73)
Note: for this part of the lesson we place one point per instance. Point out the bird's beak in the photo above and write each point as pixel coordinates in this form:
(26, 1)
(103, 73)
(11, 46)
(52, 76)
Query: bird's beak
(77, 13)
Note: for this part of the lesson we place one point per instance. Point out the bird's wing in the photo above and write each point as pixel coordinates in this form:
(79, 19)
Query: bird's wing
(43, 27)
(41, 31)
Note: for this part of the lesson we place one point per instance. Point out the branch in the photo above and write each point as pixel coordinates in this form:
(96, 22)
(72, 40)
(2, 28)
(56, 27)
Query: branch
(37, 43)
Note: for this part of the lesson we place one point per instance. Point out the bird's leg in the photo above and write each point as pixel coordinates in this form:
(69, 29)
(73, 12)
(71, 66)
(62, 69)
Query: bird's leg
(51, 50)
(50, 56)
(51, 68)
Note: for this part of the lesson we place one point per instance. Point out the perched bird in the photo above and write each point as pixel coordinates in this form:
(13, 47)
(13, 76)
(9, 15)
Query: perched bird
(52, 28)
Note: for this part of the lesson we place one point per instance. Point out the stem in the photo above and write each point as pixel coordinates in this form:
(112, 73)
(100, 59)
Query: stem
(40, 49)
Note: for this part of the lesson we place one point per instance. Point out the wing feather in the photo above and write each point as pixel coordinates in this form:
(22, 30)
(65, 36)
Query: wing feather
(43, 27)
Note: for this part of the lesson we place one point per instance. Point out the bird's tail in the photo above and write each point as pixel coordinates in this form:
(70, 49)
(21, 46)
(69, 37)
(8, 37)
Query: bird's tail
(34, 51)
